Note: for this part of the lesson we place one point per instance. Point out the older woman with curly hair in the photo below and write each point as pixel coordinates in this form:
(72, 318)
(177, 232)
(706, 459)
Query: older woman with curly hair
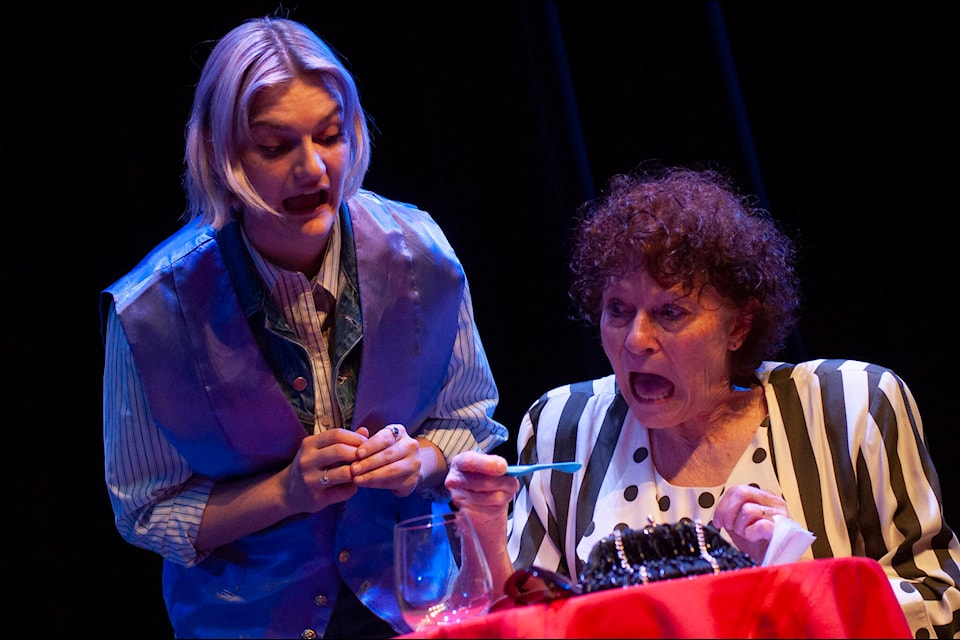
(694, 290)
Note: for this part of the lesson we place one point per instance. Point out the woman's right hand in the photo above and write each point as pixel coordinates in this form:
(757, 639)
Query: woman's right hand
(318, 477)
(478, 485)
(320, 473)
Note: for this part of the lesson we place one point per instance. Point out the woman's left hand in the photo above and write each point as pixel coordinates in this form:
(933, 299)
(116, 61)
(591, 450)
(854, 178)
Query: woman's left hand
(746, 513)
(389, 459)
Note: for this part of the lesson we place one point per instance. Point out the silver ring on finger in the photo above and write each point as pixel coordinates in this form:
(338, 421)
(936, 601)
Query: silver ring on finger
(396, 432)
(763, 511)
(324, 480)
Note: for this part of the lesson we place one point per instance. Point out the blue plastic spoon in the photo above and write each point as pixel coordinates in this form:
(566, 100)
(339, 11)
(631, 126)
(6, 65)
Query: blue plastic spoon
(524, 469)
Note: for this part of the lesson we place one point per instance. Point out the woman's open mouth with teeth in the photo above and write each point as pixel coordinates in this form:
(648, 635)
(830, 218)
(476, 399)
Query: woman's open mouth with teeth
(306, 202)
(650, 387)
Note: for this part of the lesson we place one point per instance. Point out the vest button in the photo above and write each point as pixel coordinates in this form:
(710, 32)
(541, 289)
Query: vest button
(320, 601)
(309, 634)
(343, 556)
(300, 383)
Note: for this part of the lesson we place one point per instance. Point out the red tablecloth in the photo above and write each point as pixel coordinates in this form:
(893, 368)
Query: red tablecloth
(830, 598)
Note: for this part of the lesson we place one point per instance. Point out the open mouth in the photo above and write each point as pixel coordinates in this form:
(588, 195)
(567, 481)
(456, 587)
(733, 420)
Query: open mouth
(306, 202)
(650, 387)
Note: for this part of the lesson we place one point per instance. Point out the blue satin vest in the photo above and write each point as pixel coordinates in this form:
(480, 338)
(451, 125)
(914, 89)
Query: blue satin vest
(199, 325)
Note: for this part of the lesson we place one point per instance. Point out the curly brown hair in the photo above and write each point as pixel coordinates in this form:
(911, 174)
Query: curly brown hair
(691, 226)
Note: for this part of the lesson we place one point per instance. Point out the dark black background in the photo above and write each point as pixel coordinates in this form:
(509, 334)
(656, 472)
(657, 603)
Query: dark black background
(498, 118)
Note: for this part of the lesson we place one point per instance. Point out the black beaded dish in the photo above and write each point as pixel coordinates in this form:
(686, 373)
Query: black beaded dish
(659, 552)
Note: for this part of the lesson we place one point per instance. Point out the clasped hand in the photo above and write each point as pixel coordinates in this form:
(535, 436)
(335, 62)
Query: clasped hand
(330, 466)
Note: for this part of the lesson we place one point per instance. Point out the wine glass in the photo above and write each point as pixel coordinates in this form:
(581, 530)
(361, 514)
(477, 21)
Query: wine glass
(441, 574)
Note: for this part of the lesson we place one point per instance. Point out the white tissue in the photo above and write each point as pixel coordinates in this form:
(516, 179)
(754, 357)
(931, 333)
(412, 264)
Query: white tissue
(788, 543)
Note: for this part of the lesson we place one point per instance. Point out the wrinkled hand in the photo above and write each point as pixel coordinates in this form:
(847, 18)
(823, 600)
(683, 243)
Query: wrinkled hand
(389, 459)
(320, 473)
(478, 485)
(747, 515)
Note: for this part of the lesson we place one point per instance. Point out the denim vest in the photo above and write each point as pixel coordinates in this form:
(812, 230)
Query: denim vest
(218, 365)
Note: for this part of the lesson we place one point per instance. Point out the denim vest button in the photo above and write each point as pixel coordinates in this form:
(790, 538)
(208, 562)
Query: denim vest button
(300, 383)
(320, 601)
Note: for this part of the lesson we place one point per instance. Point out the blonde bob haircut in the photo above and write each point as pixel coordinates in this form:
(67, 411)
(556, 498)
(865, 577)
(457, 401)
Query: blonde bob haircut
(256, 55)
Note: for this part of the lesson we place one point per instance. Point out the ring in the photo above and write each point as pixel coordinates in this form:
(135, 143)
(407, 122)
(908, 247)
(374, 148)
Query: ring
(324, 480)
(396, 433)
(763, 511)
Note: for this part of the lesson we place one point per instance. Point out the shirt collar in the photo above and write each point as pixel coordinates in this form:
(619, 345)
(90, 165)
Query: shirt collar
(328, 275)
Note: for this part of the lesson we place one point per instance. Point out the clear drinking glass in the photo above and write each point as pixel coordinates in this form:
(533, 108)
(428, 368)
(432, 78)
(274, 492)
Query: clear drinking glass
(441, 575)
